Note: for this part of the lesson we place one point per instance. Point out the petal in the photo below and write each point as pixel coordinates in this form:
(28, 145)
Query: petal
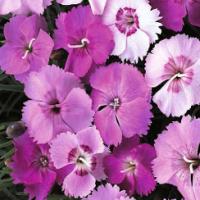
(79, 62)
(105, 121)
(41, 190)
(36, 6)
(40, 85)
(91, 137)
(97, 6)
(177, 103)
(76, 110)
(11, 60)
(113, 167)
(69, 2)
(134, 50)
(40, 126)
(7, 6)
(171, 10)
(78, 186)
(134, 117)
(101, 42)
(61, 146)
(193, 8)
(145, 182)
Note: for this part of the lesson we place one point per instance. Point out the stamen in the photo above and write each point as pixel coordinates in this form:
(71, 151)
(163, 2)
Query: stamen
(28, 49)
(130, 168)
(178, 75)
(115, 104)
(84, 41)
(192, 164)
(187, 160)
(84, 161)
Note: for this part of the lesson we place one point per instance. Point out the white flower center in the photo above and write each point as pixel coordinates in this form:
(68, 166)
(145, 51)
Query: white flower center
(28, 49)
(193, 163)
(82, 44)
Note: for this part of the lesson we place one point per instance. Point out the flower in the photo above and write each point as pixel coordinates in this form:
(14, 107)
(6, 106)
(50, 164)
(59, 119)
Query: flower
(174, 63)
(133, 23)
(97, 6)
(129, 166)
(57, 104)
(27, 46)
(23, 6)
(81, 154)
(108, 192)
(32, 166)
(121, 102)
(86, 39)
(178, 159)
(174, 11)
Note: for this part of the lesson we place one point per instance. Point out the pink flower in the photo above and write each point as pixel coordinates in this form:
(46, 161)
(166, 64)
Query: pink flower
(108, 192)
(129, 166)
(86, 39)
(27, 47)
(97, 6)
(23, 6)
(31, 165)
(81, 153)
(174, 11)
(178, 159)
(133, 23)
(175, 64)
(121, 102)
(57, 104)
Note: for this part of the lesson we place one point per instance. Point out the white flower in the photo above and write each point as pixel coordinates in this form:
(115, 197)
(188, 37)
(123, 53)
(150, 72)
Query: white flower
(134, 26)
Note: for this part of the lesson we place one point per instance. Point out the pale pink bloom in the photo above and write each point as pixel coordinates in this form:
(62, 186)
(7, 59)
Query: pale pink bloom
(97, 6)
(82, 154)
(134, 26)
(178, 158)
(57, 104)
(175, 63)
(23, 6)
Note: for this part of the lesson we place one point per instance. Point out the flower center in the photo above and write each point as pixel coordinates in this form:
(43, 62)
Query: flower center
(82, 158)
(83, 43)
(28, 49)
(127, 21)
(43, 161)
(115, 104)
(178, 70)
(193, 163)
(129, 167)
(55, 106)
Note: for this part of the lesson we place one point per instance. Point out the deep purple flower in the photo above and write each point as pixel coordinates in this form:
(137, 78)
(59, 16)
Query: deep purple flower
(129, 166)
(85, 38)
(174, 11)
(27, 47)
(32, 166)
(121, 102)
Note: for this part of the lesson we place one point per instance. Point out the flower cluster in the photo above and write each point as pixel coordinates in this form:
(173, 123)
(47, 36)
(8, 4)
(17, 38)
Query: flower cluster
(87, 119)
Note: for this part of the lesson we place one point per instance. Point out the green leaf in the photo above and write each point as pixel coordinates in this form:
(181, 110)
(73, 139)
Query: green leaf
(12, 88)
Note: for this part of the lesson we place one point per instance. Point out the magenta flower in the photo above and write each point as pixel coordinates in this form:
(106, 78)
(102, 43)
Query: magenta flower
(23, 6)
(27, 47)
(174, 11)
(121, 102)
(57, 104)
(32, 166)
(178, 159)
(129, 166)
(108, 192)
(81, 153)
(175, 65)
(85, 38)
